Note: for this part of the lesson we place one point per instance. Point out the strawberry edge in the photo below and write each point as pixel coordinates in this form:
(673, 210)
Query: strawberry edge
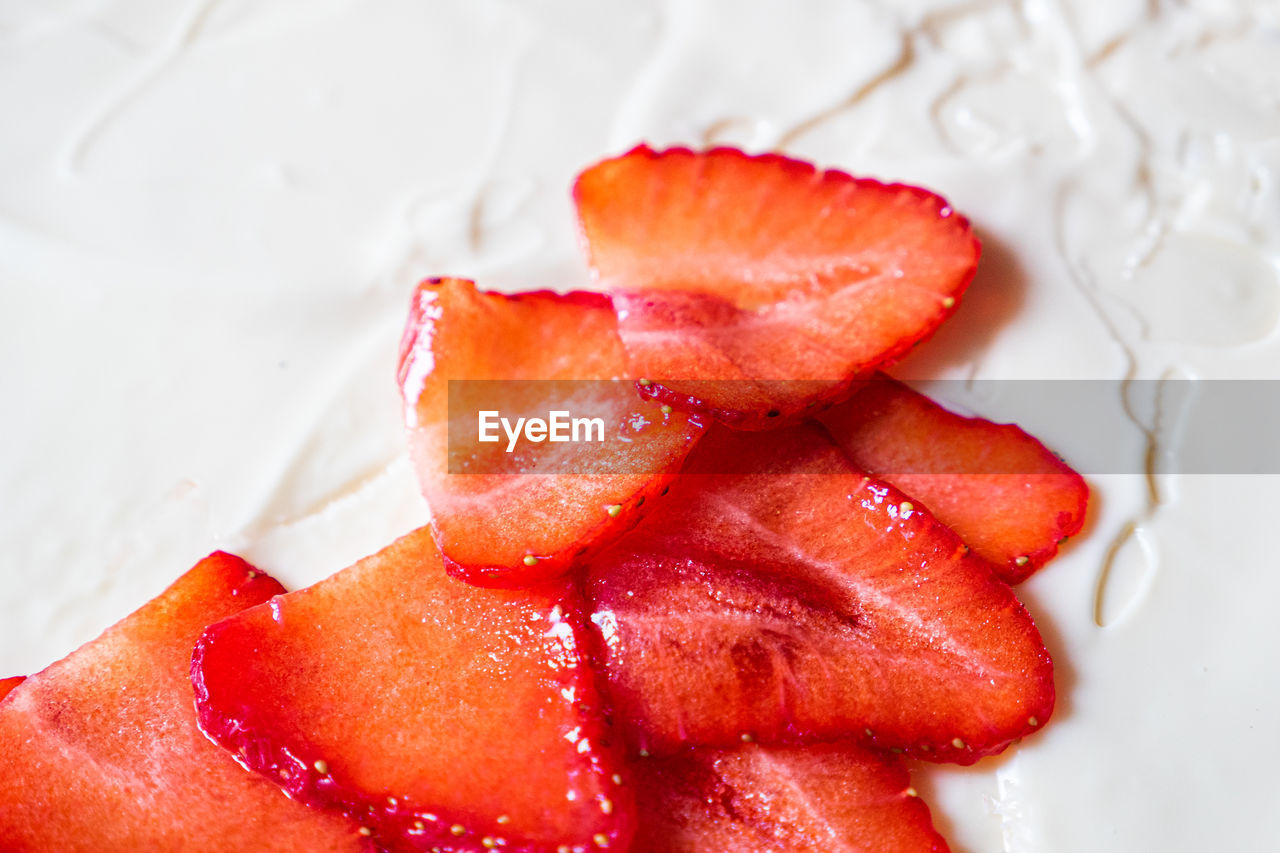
(641, 744)
(557, 567)
(1068, 524)
(842, 390)
(416, 319)
(389, 824)
(552, 568)
(793, 164)
(904, 776)
(9, 684)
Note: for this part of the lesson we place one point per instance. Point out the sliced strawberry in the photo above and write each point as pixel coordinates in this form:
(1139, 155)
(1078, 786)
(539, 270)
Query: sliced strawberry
(757, 287)
(1009, 497)
(515, 519)
(434, 712)
(7, 684)
(795, 599)
(102, 752)
(802, 799)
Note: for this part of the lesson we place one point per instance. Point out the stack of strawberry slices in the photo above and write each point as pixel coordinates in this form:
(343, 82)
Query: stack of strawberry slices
(720, 627)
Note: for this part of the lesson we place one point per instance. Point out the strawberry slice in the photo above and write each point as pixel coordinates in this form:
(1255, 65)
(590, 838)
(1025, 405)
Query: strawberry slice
(102, 752)
(7, 684)
(1007, 495)
(517, 518)
(755, 288)
(780, 595)
(803, 799)
(435, 713)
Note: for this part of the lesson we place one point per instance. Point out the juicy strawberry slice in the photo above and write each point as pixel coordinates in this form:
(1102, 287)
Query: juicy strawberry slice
(7, 684)
(1008, 496)
(794, 599)
(102, 752)
(515, 519)
(757, 287)
(436, 713)
(802, 799)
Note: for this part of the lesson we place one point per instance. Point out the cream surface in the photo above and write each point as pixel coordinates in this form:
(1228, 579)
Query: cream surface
(212, 215)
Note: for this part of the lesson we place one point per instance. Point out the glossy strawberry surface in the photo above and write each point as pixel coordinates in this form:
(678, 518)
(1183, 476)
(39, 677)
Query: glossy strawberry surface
(756, 287)
(802, 799)
(436, 713)
(1007, 495)
(787, 597)
(7, 684)
(101, 752)
(517, 518)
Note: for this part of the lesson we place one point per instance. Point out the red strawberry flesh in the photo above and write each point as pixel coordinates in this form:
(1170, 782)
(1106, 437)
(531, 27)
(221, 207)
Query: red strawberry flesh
(516, 519)
(802, 799)
(434, 712)
(102, 752)
(795, 599)
(7, 684)
(1006, 495)
(754, 288)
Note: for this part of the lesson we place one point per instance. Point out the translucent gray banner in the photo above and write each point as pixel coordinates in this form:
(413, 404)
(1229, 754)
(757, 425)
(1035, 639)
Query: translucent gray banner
(1169, 426)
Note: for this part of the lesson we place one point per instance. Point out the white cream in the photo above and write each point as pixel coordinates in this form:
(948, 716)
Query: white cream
(212, 215)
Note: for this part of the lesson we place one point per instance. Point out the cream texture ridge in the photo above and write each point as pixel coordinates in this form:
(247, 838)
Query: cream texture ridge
(213, 215)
